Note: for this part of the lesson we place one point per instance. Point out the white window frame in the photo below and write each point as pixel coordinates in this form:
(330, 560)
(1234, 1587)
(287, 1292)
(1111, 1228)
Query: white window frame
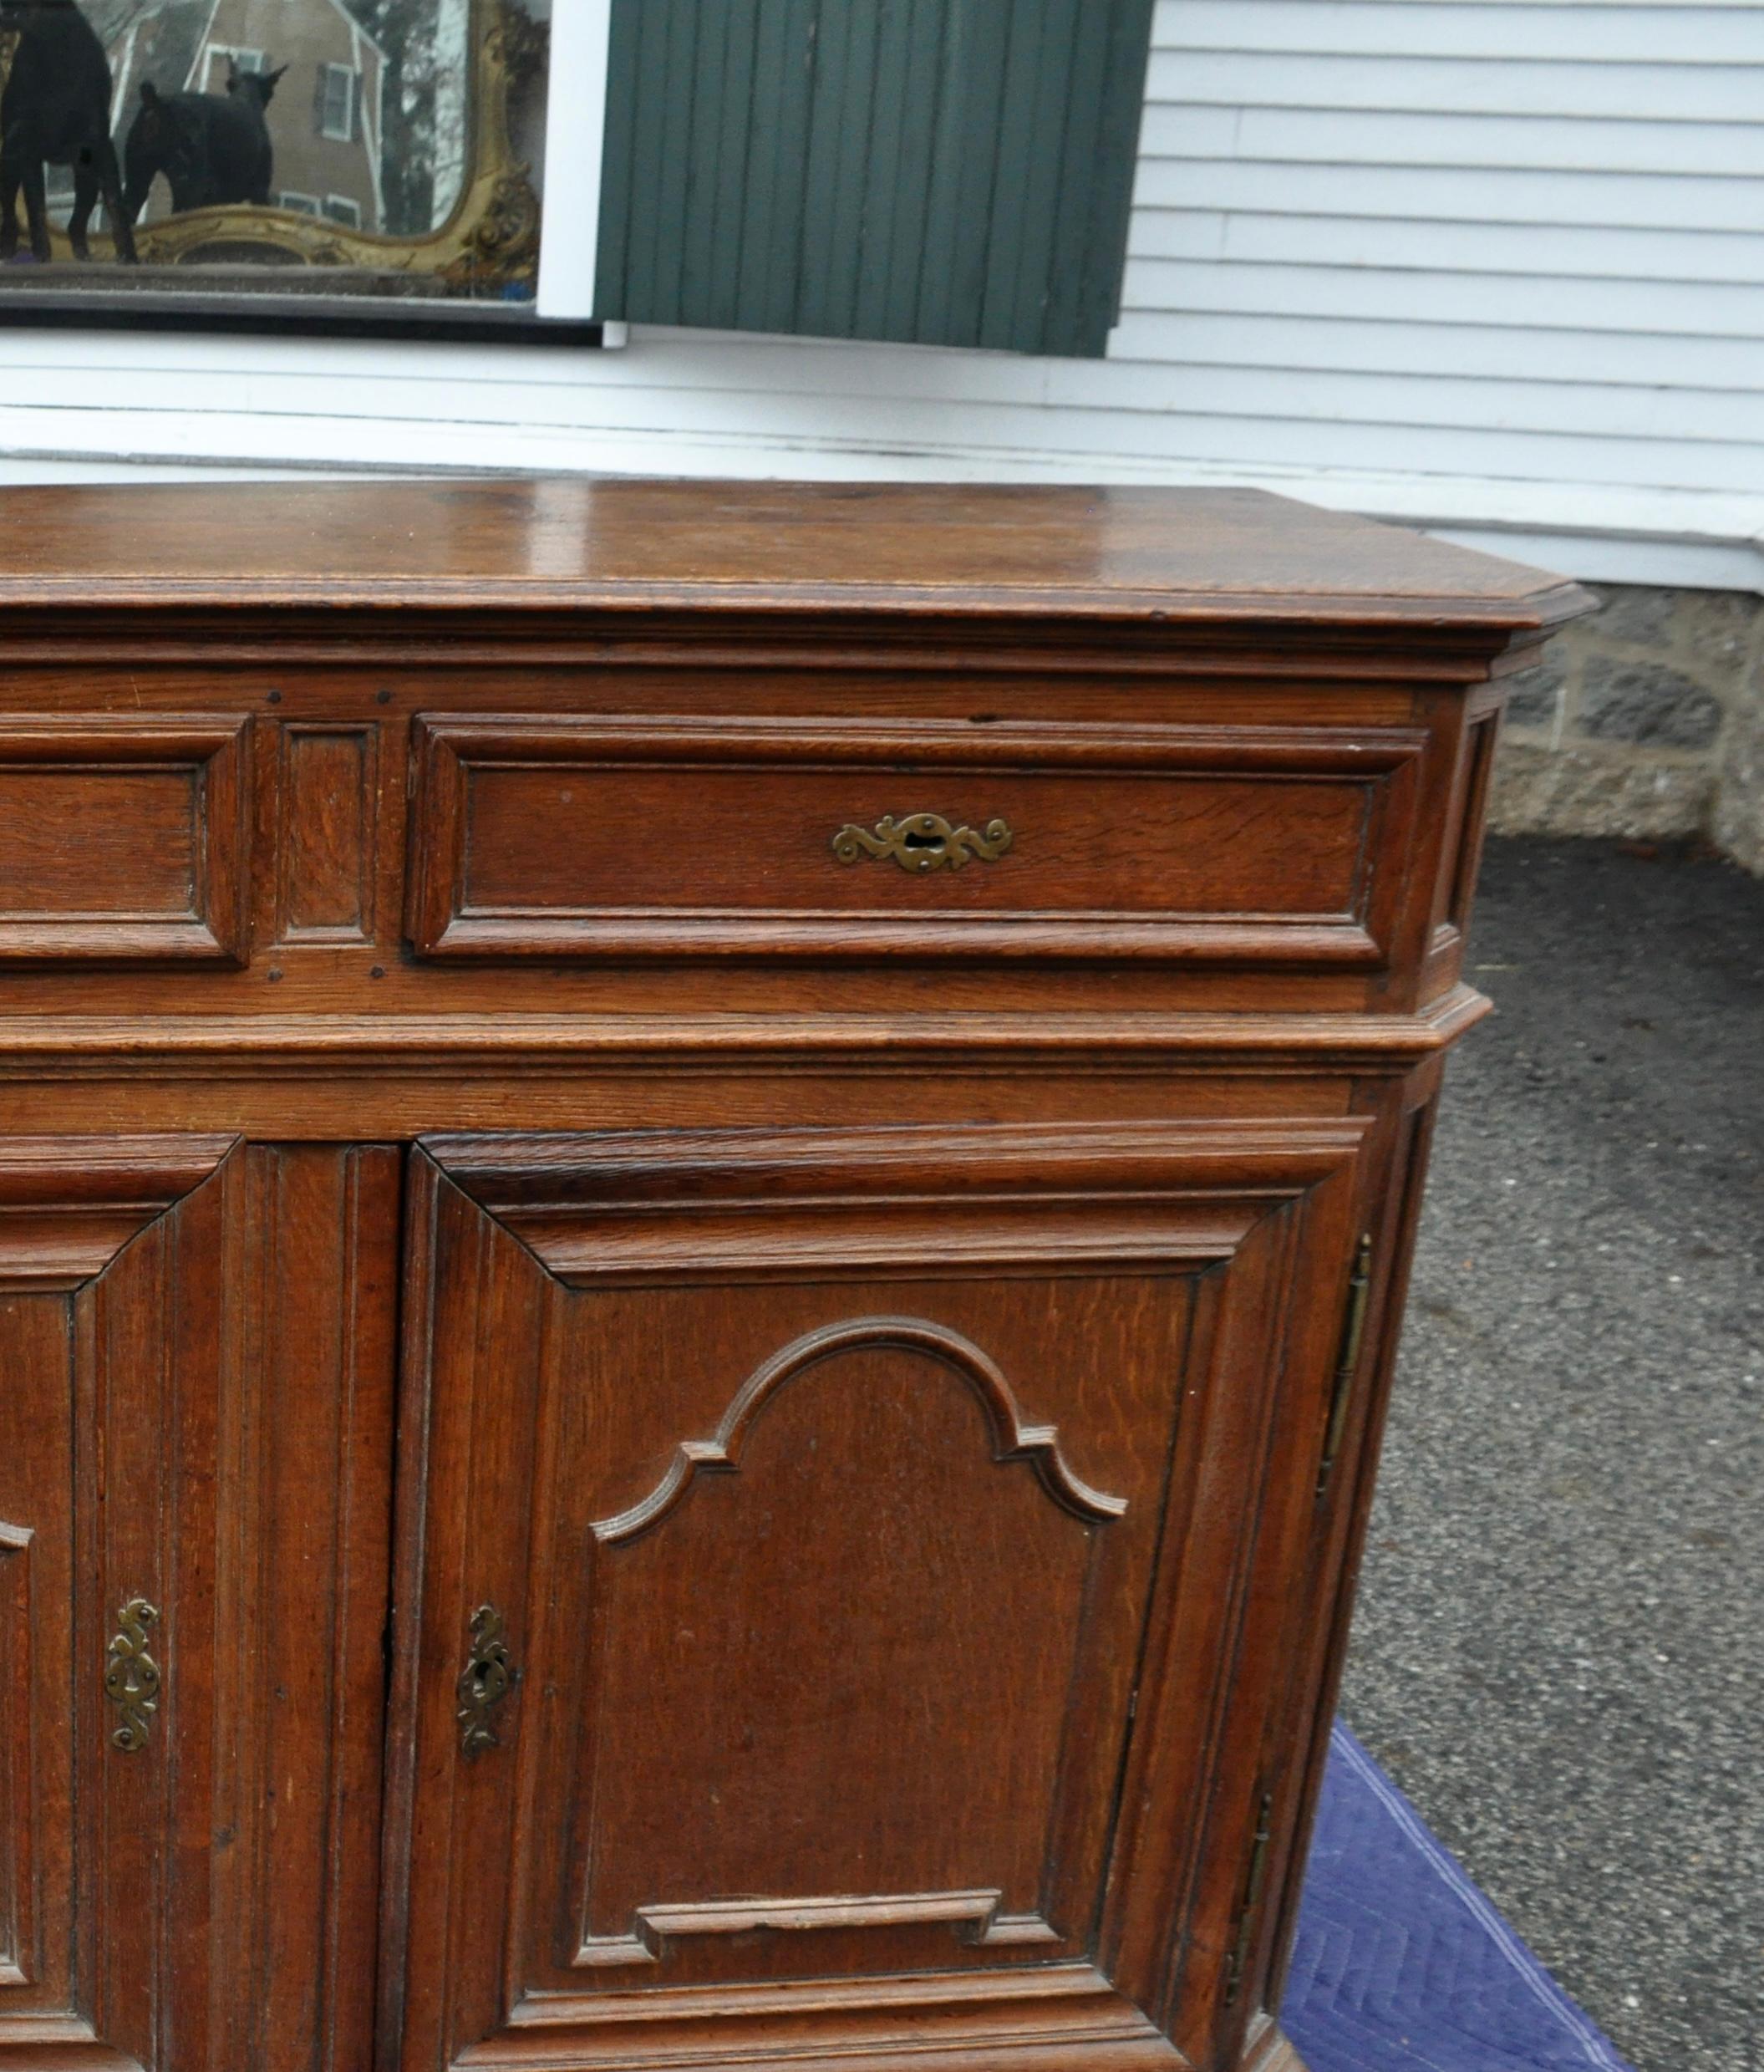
(334, 202)
(352, 101)
(242, 60)
(580, 32)
(300, 204)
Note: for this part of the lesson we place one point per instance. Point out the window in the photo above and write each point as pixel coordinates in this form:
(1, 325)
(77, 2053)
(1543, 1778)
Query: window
(220, 59)
(334, 111)
(417, 121)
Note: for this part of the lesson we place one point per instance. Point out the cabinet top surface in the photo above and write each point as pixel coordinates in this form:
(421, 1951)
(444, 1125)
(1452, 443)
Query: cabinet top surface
(551, 542)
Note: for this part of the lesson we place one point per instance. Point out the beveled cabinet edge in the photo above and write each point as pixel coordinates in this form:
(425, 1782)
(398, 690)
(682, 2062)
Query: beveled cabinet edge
(70, 1204)
(626, 597)
(1345, 654)
(509, 1173)
(756, 1201)
(47, 1046)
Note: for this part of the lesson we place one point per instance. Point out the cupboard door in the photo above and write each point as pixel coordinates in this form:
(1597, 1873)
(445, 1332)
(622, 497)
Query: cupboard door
(846, 1572)
(195, 1355)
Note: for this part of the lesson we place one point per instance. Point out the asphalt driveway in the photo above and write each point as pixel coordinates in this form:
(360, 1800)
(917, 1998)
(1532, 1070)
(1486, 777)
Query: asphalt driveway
(1559, 1651)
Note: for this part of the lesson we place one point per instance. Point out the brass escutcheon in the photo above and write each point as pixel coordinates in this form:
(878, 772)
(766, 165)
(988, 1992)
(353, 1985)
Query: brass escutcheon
(923, 841)
(485, 1681)
(132, 1677)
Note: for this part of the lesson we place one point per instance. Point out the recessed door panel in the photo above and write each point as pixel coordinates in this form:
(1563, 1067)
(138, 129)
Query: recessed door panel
(782, 1620)
(891, 1554)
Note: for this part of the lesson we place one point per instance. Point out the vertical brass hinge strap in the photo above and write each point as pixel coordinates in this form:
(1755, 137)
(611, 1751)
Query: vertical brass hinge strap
(1238, 1961)
(1347, 1360)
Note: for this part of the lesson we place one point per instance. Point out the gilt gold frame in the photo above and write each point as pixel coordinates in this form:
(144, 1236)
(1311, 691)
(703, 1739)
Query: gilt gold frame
(490, 241)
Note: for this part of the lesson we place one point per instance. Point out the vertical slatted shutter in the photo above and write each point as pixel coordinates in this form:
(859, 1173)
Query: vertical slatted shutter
(951, 172)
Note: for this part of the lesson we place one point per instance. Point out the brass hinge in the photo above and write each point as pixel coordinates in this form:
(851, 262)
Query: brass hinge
(1347, 1359)
(1245, 1920)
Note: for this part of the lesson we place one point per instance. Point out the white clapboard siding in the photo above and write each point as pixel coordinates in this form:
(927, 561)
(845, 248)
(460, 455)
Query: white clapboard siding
(1491, 266)
(1400, 195)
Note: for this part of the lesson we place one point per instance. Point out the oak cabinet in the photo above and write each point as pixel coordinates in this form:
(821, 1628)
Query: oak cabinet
(699, 1254)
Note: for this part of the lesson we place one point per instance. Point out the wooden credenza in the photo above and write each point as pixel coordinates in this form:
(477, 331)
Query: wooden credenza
(704, 1197)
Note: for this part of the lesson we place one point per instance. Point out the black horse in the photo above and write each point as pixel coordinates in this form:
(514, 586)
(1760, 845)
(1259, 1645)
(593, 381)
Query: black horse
(56, 110)
(212, 148)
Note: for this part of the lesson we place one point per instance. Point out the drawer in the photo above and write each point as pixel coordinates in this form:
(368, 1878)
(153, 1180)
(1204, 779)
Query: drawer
(123, 839)
(624, 838)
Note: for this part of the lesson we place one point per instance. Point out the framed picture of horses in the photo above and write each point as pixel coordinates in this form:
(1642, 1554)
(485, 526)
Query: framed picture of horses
(299, 163)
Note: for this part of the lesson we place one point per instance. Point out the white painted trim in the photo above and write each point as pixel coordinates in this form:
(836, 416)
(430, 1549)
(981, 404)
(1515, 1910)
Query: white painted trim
(372, 128)
(575, 140)
(1670, 564)
(200, 62)
(358, 32)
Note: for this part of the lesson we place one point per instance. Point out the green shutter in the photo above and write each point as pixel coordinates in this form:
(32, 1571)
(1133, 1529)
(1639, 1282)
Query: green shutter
(945, 172)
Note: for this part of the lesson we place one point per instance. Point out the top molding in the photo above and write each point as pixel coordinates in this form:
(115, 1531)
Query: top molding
(780, 553)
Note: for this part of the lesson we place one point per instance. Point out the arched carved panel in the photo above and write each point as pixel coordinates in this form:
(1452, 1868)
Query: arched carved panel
(887, 1572)
(1014, 1440)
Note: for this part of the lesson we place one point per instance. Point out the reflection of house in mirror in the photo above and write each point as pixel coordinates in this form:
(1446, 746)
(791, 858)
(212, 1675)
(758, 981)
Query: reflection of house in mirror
(324, 117)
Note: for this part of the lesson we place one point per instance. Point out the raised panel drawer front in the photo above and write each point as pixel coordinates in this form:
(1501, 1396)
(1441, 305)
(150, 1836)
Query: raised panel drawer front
(123, 839)
(848, 1572)
(620, 838)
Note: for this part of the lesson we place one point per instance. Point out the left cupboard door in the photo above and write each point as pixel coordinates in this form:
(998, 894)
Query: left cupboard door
(196, 1403)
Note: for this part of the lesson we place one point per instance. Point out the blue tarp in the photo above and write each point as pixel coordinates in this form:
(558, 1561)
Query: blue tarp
(1402, 1965)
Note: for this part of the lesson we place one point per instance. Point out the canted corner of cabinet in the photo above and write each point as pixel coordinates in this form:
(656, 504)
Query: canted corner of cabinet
(70, 1204)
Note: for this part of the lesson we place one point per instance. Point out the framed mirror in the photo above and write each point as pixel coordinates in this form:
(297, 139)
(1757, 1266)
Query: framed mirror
(375, 163)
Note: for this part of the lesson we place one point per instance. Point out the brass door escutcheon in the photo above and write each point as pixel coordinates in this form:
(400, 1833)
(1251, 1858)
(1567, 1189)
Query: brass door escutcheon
(132, 1677)
(485, 1681)
(924, 841)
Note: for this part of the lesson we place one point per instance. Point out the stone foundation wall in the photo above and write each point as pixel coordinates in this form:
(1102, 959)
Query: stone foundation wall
(1645, 720)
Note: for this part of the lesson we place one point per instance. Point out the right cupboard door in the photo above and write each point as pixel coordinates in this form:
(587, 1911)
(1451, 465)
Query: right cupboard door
(848, 1584)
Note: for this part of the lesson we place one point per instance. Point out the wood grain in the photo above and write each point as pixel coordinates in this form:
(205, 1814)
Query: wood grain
(626, 547)
(868, 1339)
(122, 840)
(665, 837)
(325, 843)
(988, 1460)
(198, 1346)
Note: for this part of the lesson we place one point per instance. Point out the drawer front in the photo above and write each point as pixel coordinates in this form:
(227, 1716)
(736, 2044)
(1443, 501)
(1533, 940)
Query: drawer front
(123, 839)
(648, 837)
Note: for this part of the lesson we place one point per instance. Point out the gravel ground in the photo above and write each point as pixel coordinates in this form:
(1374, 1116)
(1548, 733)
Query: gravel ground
(1559, 1648)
